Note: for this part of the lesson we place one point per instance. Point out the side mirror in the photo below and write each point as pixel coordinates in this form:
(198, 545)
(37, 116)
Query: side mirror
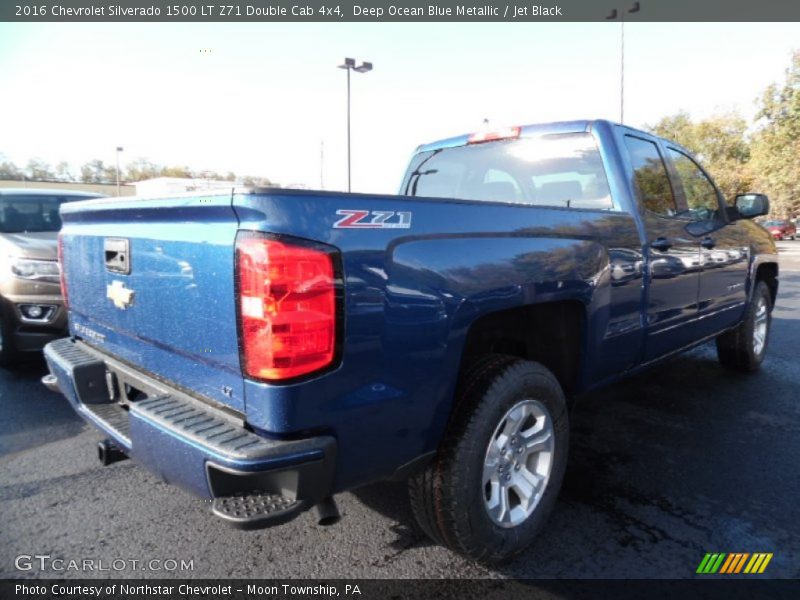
(752, 205)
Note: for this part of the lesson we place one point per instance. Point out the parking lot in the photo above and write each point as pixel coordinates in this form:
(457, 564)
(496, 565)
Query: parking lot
(682, 460)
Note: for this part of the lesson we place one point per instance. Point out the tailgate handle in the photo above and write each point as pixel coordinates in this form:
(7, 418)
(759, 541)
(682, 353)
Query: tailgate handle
(117, 255)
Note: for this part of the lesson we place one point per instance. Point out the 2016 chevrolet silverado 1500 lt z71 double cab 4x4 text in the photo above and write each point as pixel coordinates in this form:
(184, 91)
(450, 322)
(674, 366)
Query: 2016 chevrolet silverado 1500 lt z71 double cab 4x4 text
(270, 348)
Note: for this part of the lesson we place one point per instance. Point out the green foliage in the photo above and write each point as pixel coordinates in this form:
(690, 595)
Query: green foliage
(776, 143)
(767, 160)
(720, 144)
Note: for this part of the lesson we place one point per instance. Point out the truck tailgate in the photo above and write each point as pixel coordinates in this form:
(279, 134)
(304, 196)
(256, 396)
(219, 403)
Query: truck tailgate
(151, 282)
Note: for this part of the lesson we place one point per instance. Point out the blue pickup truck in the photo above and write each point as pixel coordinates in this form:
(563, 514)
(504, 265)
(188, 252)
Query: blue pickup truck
(269, 348)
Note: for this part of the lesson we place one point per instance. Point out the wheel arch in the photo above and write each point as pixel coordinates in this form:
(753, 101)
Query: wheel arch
(768, 273)
(550, 333)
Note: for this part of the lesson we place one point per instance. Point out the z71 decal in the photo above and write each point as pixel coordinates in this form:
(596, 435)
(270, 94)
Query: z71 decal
(375, 219)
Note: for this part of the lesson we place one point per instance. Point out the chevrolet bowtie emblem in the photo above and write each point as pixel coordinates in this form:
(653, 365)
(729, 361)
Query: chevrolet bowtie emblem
(121, 296)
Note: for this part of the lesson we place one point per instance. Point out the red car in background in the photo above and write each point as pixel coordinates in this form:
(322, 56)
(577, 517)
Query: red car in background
(781, 229)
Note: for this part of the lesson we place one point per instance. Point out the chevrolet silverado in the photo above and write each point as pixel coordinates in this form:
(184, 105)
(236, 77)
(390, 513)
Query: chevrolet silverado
(269, 348)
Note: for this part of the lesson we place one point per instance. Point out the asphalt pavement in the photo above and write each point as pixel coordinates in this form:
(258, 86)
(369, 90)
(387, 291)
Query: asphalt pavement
(682, 460)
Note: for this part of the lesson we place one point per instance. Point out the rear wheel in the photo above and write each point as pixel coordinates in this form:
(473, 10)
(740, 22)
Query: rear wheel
(744, 348)
(499, 468)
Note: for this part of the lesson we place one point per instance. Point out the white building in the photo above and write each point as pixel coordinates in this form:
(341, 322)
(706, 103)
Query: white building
(165, 186)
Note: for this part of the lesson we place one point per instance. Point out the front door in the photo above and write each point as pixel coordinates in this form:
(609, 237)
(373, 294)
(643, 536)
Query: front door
(724, 247)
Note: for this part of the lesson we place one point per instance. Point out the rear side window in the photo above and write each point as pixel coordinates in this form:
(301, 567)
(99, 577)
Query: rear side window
(701, 196)
(563, 170)
(650, 175)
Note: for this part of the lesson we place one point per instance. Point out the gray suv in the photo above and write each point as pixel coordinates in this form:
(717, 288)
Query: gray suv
(31, 308)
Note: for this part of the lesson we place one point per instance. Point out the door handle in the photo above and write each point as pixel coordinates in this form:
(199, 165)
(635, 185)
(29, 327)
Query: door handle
(662, 244)
(708, 243)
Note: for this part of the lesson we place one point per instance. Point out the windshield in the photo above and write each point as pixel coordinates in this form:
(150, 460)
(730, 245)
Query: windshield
(774, 223)
(31, 213)
(563, 170)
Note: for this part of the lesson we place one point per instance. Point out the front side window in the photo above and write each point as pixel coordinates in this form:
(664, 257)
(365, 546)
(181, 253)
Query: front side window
(650, 175)
(563, 170)
(701, 196)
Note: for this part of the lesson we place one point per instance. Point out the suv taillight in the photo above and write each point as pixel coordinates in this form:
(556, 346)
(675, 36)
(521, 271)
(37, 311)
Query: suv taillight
(287, 306)
(61, 269)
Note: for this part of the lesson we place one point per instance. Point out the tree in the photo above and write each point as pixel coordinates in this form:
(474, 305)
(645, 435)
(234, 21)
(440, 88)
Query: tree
(720, 144)
(93, 171)
(109, 174)
(8, 170)
(141, 169)
(776, 143)
(185, 172)
(38, 170)
(63, 172)
(252, 181)
(97, 171)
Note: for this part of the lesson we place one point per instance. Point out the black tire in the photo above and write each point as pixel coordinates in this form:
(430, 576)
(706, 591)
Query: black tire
(448, 499)
(736, 348)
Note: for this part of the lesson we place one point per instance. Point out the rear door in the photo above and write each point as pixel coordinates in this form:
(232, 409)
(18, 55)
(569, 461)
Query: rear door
(151, 282)
(673, 256)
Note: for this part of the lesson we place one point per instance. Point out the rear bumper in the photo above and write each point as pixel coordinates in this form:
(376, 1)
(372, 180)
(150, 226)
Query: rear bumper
(205, 449)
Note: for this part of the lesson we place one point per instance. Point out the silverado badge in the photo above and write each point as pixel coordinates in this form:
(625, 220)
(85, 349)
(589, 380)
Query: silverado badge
(121, 296)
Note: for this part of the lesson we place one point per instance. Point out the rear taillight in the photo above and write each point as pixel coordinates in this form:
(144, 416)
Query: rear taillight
(61, 269)
(287, 307)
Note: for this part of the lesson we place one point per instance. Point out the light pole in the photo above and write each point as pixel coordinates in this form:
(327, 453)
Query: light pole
(119, 149)
(611, 16)
(350, 65)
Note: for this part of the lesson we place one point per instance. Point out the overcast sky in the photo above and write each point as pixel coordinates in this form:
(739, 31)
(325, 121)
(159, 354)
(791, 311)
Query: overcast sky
(263, 97)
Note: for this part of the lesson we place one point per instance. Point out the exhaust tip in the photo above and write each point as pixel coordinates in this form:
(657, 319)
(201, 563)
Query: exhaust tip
(109, 453)
(50, 382)
(327, 512)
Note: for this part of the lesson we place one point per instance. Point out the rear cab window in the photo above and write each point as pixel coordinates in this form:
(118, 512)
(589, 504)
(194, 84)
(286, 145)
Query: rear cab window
(559, 170)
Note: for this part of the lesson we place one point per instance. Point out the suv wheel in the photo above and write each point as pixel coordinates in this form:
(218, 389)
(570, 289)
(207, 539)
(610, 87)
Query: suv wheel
(497, 474)
(744, 348)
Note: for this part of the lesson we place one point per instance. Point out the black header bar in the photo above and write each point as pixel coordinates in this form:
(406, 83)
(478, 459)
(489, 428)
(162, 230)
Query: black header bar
(409, 11)
(394, 589)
